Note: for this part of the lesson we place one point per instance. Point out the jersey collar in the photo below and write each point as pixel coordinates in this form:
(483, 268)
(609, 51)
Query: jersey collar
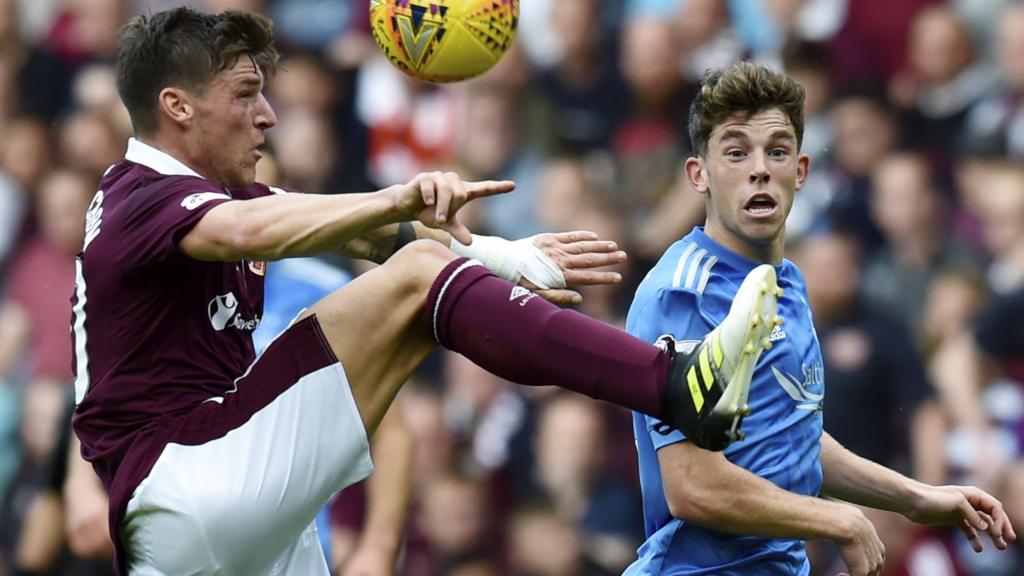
(735, 261)
(141, 153)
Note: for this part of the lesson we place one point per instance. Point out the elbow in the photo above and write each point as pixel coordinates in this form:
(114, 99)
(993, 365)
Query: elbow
(250, 238)
(691, 502)
(250, 243)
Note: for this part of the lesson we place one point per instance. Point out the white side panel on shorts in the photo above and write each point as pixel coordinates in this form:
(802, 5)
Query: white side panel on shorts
(243, 503)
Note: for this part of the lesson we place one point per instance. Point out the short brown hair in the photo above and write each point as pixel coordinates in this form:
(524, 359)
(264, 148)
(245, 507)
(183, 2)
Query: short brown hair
(746, 89)
(187, 48)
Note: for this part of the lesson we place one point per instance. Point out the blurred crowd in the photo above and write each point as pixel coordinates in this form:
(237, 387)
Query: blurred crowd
(910, 232)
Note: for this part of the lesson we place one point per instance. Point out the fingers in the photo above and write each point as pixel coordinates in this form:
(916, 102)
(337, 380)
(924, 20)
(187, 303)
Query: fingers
(427, 191)
(483, 188)
(968, 512)
(590, 277)
(575, 236)
(972, 535)
(997, 531)
(591, 260)
(561, 297)
(991, 510)
(459, 231)
(590, 247)
(445, 196)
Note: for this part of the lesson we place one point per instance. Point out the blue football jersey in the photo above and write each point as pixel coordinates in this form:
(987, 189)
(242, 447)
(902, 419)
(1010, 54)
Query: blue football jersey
(687, 294)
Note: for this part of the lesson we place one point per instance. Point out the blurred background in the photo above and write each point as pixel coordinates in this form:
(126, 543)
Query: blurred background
(910, 231)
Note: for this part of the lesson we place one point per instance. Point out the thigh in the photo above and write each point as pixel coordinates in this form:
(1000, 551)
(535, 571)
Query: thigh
(377, 328)
(236, 503)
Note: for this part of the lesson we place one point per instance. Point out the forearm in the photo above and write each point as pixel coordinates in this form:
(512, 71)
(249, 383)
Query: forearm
(389, 487)
(293, 225)
(379, 244)
(858, 480)
(289, 225)
(711, 491)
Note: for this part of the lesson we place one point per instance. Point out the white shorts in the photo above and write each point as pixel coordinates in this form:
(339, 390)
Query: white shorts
(245, 502)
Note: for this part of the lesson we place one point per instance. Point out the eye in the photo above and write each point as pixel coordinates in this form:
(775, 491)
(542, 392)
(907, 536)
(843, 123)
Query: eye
(735, 153)
(779, 152)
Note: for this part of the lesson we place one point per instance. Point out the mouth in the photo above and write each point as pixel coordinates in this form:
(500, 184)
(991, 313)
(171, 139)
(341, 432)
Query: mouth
(761, 205)
(257, 151)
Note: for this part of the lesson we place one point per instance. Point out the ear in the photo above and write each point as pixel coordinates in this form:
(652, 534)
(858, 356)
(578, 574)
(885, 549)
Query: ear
(177, 105)
(697, 174)
(803, 167)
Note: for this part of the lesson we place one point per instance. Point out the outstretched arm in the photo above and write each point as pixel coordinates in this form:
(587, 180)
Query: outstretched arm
(289, 225)
(854, 479)
(703, 487)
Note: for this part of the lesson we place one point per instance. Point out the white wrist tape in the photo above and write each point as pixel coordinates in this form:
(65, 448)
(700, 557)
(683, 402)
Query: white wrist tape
(513, 260)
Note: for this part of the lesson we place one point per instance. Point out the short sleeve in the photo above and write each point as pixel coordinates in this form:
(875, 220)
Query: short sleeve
(673, 312)
(156, 217)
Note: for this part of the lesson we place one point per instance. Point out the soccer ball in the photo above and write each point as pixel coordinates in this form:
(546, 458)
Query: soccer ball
(444, 40)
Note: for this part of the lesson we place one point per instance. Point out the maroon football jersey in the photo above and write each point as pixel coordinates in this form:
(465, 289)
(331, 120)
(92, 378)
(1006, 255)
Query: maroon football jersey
(156, 333)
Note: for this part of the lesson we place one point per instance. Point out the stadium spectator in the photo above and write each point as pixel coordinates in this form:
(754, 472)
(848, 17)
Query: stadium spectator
(1000, 116)
(943, 81)
(26, 153)
(454, 520)
(908, 208)
(877, 397)
(650, 137)
(571, 451)
(583, 89)
(544, 543)
(90, 142)
(865, 132)
(499, 152)
(35, 311)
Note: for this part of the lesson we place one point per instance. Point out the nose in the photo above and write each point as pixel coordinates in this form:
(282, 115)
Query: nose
(265, 117)
(759, 171)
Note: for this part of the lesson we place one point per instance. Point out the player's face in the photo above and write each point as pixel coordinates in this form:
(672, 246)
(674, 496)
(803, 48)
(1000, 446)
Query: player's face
(232, 115)
(751, 173)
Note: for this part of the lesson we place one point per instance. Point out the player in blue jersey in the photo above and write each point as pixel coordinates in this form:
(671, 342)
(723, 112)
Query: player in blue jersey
(749, 509)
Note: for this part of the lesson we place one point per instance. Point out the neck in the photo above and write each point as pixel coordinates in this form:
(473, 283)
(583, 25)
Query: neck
(768, 252)
(181, 151)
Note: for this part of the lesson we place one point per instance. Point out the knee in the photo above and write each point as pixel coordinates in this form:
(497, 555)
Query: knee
(420, 262)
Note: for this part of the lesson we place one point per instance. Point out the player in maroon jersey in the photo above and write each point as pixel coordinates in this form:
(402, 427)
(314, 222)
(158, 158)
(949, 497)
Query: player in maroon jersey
(217, 461)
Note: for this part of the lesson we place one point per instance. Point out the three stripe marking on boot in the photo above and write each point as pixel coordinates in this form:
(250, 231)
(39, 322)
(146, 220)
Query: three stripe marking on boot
(705, 376)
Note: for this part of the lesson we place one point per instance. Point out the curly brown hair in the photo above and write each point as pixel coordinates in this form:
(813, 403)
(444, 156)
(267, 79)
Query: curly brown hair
(185, 48)
(744, 89)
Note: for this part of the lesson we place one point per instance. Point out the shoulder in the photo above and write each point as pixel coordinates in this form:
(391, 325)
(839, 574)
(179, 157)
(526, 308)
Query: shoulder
(683, 284)
(141, 186)
(791, 275)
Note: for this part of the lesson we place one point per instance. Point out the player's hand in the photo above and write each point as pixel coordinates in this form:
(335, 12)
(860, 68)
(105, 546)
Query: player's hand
(862, 550)
(85, 520)
(434, 198)
(579, 255)
(971, 509)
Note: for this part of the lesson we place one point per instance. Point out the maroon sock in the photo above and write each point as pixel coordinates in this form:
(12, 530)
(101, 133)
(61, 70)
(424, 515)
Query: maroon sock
(521, 337)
